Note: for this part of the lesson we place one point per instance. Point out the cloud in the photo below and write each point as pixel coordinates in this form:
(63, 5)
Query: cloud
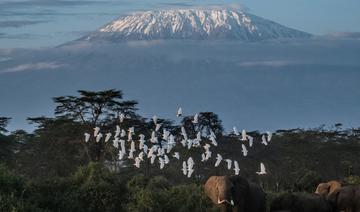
(16, 24)
(270, 63)
(33, 66)
(344, 35)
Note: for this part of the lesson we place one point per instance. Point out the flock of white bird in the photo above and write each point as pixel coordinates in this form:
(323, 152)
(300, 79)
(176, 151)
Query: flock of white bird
(162, 144)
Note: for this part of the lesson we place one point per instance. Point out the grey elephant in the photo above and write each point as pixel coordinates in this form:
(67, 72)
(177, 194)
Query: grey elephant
(298, 202)
(235, 193)
(346, 198)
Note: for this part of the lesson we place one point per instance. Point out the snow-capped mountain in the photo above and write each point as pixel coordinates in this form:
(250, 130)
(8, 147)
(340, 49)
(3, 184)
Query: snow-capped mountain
(194, 24)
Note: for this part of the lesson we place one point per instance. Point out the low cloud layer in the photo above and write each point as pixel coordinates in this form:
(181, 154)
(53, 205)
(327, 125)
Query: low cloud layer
(33, 66)
(16, 24)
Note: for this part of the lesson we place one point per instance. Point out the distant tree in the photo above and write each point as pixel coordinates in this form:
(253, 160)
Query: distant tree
(94, 107)
(4, 121)
(207, 122)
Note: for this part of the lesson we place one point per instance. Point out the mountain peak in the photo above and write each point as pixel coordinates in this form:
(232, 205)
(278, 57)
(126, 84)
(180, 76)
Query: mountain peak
(196, 24)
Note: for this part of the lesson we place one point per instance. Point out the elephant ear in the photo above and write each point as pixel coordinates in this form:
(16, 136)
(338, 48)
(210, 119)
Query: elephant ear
(211, 190)
(242, 188)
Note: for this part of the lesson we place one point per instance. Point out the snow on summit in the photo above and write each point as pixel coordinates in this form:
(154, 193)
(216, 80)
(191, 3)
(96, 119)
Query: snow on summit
(194, 24)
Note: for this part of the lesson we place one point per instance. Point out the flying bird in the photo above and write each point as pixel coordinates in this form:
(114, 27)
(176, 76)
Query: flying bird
(236, 167)
(179, 112)
(162, 163)
(244, 150)
(262, 170)
(196, 119)
(235, 130)
(243, 135)
(176, 155)
(121, 117)
(117, 131)
(107, 137)
(87, 137)
(157, 127)
(184, 168)
(98, 137)
(218, 160)
(96, 131)
(229, 163)
(263, 138)
(155, 118)
(269, 136)
(251, 140)
(121, 155)
(137, 162)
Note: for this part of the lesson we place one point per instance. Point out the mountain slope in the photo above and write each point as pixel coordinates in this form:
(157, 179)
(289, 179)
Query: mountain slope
(194, 24)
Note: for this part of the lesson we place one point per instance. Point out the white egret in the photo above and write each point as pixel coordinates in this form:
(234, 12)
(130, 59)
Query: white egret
(251, 140)
(196, 119)
(203, 157)
(218, 160)
(213, 141)
(96, 131)
(87, 137)
(121, 155)
(162, 163)
(244, 150)
(141, 156)
(121, 117)
(229, 163)
(269, 136)
(152, 159)
(208, 155)
(243, 135)
(157, 127)
(236, 167)
(263, 138)
(262, 170)
(98, 137)
(166, 159)
(155, 118)
(107, 137)
(117, 131)
(116, 142)
(235, 130)
(179, 112)
(137, 162)
(123, 133)
(184, 168)
(122, 145)
(176, 155)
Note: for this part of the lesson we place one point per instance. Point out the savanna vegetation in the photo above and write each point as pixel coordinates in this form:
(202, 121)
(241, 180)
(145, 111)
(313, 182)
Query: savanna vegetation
(53, 169)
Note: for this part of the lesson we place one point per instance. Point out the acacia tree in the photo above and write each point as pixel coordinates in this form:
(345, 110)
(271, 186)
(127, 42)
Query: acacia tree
(94, 108)
(4, 121)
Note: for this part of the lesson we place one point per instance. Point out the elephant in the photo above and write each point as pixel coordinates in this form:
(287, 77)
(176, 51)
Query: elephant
(346, 199)
(326, 189)
(235, 193)
(299, 202)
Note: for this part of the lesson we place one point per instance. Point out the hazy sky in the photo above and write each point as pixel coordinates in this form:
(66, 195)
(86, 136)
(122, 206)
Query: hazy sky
(41, 23)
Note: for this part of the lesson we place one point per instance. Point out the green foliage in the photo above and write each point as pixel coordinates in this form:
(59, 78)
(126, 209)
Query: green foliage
(4, 121)
(353, 179)
(308, 180)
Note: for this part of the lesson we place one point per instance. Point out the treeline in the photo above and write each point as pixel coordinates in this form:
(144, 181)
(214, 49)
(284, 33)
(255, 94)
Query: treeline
(53, 169)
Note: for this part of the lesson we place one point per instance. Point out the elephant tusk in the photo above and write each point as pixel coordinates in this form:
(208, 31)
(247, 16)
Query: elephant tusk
(222, 201)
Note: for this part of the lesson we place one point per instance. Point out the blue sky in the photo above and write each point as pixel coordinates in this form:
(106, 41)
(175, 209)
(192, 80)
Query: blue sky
(43, 23)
